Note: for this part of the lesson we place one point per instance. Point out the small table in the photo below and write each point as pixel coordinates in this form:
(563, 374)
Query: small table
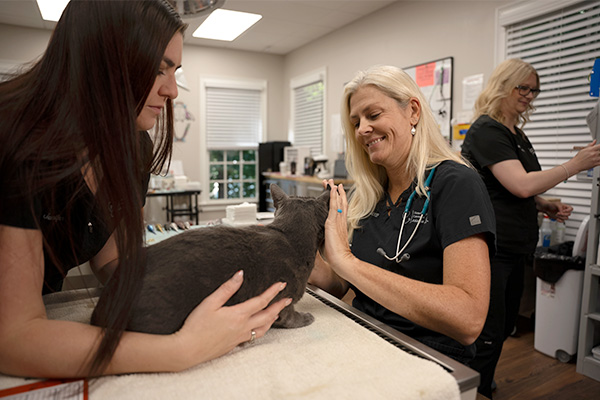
(192, 209)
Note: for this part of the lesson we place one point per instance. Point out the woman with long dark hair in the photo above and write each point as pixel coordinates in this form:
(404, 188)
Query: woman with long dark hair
(75, 160)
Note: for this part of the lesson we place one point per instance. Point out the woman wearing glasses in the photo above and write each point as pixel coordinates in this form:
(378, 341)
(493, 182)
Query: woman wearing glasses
(501, 152)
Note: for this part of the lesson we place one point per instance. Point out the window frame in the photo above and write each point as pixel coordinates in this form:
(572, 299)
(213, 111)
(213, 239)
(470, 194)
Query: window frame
(520, 11)
(206, 82)
(298, 82)
(225, 162)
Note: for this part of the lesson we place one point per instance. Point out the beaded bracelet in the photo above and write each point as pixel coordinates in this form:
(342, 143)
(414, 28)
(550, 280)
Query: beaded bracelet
(566, 173)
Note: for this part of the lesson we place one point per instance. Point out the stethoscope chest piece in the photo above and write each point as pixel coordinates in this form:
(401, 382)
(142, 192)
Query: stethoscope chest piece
(399, 257)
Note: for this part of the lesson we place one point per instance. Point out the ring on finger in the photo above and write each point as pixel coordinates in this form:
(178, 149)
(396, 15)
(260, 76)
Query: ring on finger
(252, 336)
(339, 210)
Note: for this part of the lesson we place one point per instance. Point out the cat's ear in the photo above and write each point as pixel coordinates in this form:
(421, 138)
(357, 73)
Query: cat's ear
(277, 194)
(324, 197)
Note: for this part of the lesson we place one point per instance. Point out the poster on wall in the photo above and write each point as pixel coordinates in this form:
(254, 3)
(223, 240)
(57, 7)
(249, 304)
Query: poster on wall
(435, 80)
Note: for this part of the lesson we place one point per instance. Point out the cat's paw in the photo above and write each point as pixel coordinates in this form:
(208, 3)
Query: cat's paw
(305, 319)
(293, 319)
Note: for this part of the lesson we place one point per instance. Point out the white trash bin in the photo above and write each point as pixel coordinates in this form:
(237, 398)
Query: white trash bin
(557, 310)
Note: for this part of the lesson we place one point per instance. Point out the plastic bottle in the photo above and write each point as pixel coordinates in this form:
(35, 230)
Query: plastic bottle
(546, 232)
(560, 232)
(553, 236)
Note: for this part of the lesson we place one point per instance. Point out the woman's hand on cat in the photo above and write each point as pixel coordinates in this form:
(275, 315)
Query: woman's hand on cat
(212, 329)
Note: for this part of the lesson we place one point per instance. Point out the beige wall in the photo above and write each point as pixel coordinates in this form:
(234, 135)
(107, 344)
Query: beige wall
(404, 34)
(20, 45)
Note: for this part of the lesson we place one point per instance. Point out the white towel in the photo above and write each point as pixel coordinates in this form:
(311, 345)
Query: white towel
(334, 357)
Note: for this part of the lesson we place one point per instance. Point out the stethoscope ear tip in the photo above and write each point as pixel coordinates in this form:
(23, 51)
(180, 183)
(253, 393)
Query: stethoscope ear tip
(399, 258)
(404, 257)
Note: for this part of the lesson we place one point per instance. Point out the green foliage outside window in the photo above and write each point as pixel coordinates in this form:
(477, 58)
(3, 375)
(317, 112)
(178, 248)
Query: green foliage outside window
(233, 174)
(215, 155)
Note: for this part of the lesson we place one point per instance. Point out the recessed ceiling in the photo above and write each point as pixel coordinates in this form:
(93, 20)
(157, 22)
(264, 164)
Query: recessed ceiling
(286, 24)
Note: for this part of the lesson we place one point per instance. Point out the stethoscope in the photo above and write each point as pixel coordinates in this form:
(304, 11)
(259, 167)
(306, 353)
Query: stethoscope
(399, 257)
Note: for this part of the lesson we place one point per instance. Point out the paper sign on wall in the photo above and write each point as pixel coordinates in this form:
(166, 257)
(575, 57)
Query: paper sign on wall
(425, 74)
(472, 87)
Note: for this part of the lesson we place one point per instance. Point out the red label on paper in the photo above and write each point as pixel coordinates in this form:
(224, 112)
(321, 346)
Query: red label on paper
(425, 74)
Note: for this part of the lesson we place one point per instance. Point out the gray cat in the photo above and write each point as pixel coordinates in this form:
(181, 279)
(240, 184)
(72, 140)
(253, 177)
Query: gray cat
(181, 271)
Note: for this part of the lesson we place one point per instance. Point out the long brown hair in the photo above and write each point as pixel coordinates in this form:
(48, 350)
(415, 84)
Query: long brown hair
(77, 106)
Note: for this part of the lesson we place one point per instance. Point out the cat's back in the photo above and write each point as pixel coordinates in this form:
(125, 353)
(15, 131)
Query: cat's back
(214, 244)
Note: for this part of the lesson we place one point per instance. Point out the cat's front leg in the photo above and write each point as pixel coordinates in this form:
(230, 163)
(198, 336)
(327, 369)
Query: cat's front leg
(290, 318)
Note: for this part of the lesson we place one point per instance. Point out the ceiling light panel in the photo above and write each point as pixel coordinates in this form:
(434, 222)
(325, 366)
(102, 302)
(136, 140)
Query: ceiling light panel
(51, 10)
(226, 25)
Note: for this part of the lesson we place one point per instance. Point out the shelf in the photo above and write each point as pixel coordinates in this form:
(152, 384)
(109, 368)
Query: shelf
(589, 325)
(595, 316)
(299, 185)
(590, 366)
(305, 178)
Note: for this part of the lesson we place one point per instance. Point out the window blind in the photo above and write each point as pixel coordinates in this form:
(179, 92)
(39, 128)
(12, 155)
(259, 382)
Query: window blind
(562, 46)
(308, 117)
(233, 118)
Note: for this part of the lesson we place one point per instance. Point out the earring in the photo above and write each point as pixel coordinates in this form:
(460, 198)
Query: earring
(413, 130)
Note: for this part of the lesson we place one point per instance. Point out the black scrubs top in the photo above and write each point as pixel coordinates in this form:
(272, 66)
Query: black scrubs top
(89, 231)
(489, 142)
(459, 207)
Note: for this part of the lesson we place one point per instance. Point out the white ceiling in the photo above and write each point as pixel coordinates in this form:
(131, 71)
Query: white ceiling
(286, 24)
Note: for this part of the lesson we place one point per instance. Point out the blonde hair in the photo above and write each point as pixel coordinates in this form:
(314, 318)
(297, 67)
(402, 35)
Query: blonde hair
(505, 78)
(428, 147)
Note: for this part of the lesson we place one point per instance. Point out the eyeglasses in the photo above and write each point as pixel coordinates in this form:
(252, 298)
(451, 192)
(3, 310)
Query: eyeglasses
(525, 90)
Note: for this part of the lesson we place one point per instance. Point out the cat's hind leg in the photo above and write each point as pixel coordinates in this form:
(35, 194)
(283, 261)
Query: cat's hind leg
(290, 318)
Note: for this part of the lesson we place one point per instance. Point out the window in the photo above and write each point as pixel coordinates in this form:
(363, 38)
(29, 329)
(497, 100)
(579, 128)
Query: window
(308, 112)
(561, 39)
(233, 174)
(233, 115)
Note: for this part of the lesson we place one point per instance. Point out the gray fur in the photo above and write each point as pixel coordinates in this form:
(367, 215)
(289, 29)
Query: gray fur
(183, 270)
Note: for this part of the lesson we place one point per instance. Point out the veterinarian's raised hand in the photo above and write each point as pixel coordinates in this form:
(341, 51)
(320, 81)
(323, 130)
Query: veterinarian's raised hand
(212, 329)
(337, 251)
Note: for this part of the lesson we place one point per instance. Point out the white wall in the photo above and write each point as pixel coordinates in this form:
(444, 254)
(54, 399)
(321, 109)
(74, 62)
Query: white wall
(404, 34)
